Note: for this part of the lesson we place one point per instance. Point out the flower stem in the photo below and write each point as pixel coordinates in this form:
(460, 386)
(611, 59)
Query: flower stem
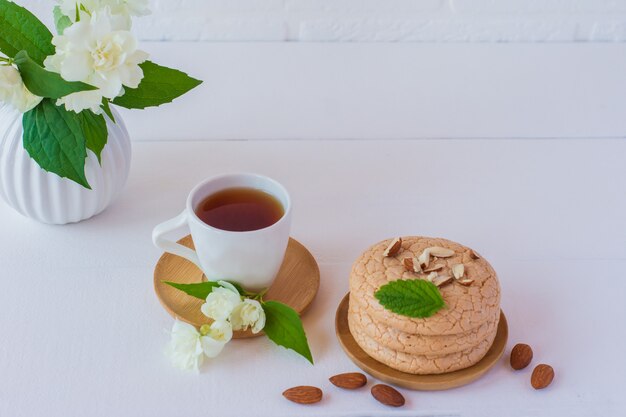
(260, 295)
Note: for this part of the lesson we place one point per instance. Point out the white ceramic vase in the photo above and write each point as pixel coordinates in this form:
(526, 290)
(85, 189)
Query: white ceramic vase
(45, 196)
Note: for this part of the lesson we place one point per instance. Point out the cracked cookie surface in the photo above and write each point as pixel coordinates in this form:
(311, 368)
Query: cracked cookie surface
(420, 364)
(466, 307)
(417, 343)
(455, 337)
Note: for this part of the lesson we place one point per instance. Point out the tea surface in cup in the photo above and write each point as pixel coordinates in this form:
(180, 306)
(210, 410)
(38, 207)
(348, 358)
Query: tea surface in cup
(240, 209)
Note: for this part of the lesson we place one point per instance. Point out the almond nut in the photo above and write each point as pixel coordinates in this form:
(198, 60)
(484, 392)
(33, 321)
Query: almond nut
(412, 264)
(458, 271)
(465, 282)
(424, 258)
(473, 254)
(542, 376)
(434, 268)
(440, 252)
(432, 276)
(442, 280)
(521, 356)
(351, 380)
(394, 247)
(387, 395)
(303, 394)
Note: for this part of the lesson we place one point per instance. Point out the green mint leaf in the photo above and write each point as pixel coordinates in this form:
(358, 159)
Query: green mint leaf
(107, 109)
(21, 30)
(95, 131)
(199, 290)
(44, 83)
(159, 85)
(53, 137)
(411, 298)
(284, 327)
(61, 22)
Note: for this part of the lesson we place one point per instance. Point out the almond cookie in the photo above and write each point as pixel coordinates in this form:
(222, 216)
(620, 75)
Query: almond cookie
(417, 343)
(421, 364)
(455, 337)
(466, 307)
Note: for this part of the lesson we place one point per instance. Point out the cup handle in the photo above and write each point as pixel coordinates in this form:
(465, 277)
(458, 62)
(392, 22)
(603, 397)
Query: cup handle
(171, 246)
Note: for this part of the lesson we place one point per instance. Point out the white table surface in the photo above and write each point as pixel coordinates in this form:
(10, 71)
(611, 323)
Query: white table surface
(82, 333)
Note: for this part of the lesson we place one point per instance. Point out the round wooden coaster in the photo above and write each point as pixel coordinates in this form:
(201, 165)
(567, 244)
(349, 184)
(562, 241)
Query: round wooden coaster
(296, 284)
(411, 381)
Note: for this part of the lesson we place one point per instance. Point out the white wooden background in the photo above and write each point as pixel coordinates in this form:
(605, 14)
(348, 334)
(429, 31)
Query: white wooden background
(385, 91)
(356, 131)
(381, 20)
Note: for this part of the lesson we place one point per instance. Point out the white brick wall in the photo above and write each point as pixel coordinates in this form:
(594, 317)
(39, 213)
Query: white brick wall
(380, 20)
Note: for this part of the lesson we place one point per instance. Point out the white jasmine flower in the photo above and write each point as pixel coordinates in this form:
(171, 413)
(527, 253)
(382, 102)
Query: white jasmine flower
(185, 348)
(14, 92)
(82, 100)
(248, 314)
(122, 10)
(215, 337)
(228, 285)
(221, 302)
(136, 7)
(95, 52)
(69, 7)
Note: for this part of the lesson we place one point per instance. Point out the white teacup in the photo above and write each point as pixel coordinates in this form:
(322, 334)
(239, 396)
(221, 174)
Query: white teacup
(250, 258)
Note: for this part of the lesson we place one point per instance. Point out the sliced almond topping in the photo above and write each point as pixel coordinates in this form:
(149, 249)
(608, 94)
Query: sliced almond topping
(434, 268)
(458, 271)
(442, 280)
(440, 252)
(466, 282)
(408, 264)
(424, 258)
(473, 255)
(412, 264)
(431, 276)
(394, 247)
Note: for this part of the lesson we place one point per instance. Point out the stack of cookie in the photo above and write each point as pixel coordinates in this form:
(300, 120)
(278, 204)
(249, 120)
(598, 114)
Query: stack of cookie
(456, 337)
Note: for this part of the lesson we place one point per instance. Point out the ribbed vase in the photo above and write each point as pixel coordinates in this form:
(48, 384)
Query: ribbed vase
(45, 196)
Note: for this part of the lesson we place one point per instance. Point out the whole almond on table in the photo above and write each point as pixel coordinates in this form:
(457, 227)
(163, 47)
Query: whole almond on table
(521, 356)
(542, 376)
(350, 380)
(387, 395)
(303, 394)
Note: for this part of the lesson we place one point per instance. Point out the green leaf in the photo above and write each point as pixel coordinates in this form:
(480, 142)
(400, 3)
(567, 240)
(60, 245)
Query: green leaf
(61, 22)
(107, 109)
(94, 129)
(159, 85)
(21, 30)
(44, 83)
(284, 327)
(54, 139)
(411, 298)
(200, 290)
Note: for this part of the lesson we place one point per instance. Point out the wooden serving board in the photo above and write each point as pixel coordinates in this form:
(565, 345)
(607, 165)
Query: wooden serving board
(296, 284)
(412, 381)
